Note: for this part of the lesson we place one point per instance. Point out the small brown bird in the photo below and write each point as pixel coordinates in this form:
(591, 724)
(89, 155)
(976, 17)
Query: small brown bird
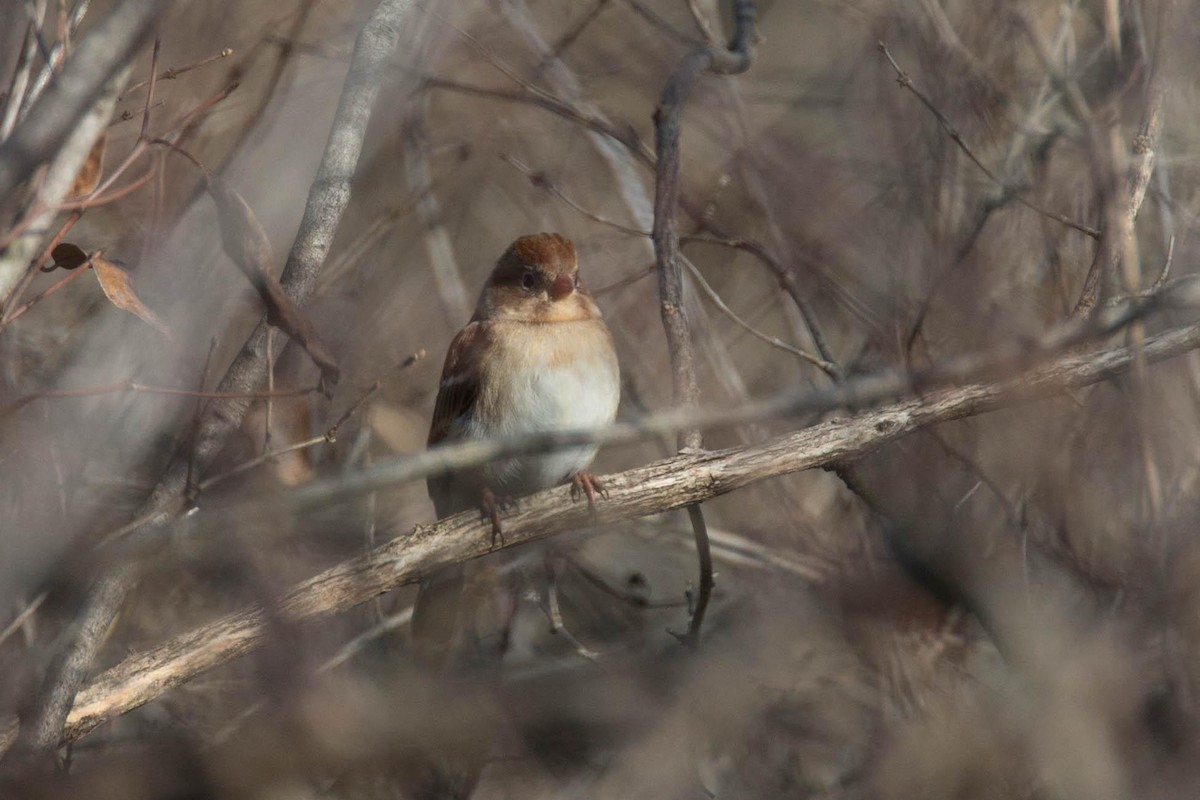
(536, 356)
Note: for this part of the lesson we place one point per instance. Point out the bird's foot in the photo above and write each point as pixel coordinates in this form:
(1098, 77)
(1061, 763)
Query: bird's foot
(490, 507)
(589, 485)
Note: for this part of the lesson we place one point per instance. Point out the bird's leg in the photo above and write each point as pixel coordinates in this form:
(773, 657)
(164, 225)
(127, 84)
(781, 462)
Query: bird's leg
(589, 485)
(490, 506)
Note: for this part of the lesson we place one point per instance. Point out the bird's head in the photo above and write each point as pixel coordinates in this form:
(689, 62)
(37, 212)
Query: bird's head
(536, 280)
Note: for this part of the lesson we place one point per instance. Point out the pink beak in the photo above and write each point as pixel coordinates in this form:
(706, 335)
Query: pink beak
(563, 285)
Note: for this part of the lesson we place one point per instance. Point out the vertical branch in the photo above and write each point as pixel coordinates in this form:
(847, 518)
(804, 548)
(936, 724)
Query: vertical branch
(447, 278)
(19, 83)
(1141, 169)
(665, 234)
(327, 200)
(1117, 248)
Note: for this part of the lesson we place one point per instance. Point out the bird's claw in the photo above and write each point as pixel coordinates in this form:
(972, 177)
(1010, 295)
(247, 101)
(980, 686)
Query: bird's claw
(489, 510)
(587, 484)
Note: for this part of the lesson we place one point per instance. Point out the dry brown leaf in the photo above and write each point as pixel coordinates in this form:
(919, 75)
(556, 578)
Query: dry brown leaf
(118, 288)
(88, 177)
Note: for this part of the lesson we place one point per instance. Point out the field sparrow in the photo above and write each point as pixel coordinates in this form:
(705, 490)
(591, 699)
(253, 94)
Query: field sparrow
(536, 356)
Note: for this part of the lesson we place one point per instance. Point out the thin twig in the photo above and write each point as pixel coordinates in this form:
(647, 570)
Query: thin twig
(250, 464)
(20, 82)
(330, 434)
(270, 388)
(439, 247)
(702, 23)
(171, 73)
(572, 34)
(150, 92)
(35, 265)
(666, 28)
(542, 181)
(117, 387)
(707, 580)
(57, 53)
(20, 243)
(906, 82)
(97, 195)
(25, 614)
(711, 293)
(42, 295)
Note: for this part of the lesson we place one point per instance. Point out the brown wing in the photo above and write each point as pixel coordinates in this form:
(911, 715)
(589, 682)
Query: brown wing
(457, 393)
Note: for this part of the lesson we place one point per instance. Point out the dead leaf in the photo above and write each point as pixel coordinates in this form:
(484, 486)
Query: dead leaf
(246, 243)
(88, 177)
(118, 288)
(67, 256)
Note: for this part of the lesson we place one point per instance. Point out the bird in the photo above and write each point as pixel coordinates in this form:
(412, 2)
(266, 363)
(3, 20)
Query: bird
(535, 356)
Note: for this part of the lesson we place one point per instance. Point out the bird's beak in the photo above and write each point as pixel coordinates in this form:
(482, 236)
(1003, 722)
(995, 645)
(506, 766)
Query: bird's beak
(563, 285)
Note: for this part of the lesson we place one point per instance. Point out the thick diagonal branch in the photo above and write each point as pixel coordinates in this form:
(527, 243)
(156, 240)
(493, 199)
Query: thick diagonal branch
(666, 485)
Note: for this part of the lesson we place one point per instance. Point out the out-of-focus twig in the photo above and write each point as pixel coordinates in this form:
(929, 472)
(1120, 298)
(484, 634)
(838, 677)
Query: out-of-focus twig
(702, 23)
(572, 34)
(447, 278)
(1003, 363)
(57, 53)
(905, 81)
(20, 81)
(25, 614)
(329, 435)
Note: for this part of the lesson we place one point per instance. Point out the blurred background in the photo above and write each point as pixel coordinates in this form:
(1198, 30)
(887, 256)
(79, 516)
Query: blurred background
(1000, 606)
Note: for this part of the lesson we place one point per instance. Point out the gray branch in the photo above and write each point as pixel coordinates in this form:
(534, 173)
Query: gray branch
(52, 119)
(327, 200)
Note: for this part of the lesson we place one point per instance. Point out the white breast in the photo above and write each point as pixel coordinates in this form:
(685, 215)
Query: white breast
(542, 390)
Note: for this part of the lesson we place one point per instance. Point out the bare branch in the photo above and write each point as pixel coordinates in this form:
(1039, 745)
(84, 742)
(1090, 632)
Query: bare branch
(53, 118)
(829, 369)
(668, 119)
(677, 482)
(171, 73)
(1116, 246)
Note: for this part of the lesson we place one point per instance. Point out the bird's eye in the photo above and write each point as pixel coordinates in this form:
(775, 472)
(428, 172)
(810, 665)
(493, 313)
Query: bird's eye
(528, 281)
